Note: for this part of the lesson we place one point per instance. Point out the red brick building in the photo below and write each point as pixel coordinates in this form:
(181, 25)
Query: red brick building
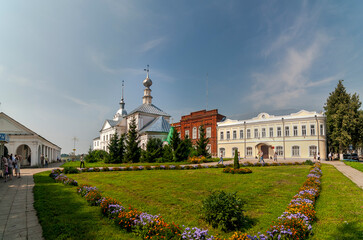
(189, 125)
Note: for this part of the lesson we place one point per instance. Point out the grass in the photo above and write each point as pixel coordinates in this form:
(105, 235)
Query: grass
(339, 208)
(356, 165)
(63, 214)
(177, 195)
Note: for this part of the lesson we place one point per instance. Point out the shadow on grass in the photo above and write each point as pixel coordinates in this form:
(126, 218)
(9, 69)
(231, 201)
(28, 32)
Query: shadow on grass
(249, 223)
(348, 230)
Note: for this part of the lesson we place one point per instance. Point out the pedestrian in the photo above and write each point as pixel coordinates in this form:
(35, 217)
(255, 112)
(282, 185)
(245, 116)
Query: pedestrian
(17, 165)
(82, 162)
(221, 159)
(42, 160)
(46, 160)
(4, 162)
(261, 157)
(239, 157)
(10, 168)
(329, 157)
(314, 157)
(275, 157)
(318, 156)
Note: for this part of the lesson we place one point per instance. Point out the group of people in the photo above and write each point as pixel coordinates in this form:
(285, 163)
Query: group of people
(9, 164)
(44, 161)
(259, 155)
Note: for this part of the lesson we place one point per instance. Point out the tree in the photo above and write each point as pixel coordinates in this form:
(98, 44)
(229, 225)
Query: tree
(154, 150)
(202, 143)
(175, 140)
(236, 162)
(133, 151)
(167, 153)
(342, 119)
(116, 149)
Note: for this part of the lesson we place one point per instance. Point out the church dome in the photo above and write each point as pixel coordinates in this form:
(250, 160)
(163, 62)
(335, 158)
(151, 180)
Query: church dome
(147, 82)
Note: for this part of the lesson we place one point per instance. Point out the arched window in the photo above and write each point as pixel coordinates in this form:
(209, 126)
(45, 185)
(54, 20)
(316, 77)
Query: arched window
(279, 151)
(234, 150)
(295, 151)
(249, 151)
(312, 151)
(194, 132)
(222, 152)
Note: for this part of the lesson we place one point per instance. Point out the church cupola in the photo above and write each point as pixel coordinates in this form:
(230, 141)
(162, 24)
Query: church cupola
(122, 111)
(147, 98)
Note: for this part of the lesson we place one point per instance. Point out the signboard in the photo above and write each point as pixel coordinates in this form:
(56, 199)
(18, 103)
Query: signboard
(4, 138)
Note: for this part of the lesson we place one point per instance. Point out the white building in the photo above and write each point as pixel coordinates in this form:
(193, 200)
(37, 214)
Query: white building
(25, 142)
(296, 136)
(151, 121)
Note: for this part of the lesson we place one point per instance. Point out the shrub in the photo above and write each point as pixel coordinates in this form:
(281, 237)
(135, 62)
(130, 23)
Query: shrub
(135, 168)
(223, 210)
(93, 197)
(155, 227)
(116, 169)
(110, 207)
(308, 162)
(96, 169)
(105, 169)
(67, 170)
(236, 162)
(126, 219)
(148, 167)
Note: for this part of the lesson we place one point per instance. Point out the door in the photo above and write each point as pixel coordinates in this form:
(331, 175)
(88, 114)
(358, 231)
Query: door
(264, 149)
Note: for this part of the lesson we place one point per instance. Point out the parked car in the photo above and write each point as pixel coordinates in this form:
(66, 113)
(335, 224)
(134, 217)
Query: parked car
(350, 157)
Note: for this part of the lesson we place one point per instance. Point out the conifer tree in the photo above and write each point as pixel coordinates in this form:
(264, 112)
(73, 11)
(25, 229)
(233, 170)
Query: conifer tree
(154, 150)
(236, 162)
(342, 119)
(202, 143)
(133, 151)
(112, 149)
(175, 140)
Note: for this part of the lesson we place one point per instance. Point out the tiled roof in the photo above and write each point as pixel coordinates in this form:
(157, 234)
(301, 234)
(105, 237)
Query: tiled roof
(157, 125)
(150, 108)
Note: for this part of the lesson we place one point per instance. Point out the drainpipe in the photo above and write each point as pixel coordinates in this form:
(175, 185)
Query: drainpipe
(283, 135)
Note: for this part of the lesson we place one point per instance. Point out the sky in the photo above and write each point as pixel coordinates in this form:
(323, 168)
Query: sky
(62, 62)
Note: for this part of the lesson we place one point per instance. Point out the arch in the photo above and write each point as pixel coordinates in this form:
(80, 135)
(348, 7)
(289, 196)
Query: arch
(25, 152)
(266, 149)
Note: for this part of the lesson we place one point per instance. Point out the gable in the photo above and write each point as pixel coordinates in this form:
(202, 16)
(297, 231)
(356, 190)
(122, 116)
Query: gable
(9, 126)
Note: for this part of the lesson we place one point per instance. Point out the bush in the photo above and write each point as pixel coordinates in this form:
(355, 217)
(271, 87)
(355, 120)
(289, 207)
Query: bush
(67, 170)
(308, 162)
(96, 155)
(223, 210)
(236, 162)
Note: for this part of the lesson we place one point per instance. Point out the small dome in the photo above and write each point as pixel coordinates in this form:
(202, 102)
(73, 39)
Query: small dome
(147, 82)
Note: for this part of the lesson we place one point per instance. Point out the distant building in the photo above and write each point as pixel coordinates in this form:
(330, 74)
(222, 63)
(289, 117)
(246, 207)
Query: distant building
(27, 143)
(151, 121)
(296, 136)
(189, 126)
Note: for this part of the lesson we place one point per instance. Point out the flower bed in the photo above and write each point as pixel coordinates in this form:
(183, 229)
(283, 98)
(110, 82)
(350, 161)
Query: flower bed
(237, 171)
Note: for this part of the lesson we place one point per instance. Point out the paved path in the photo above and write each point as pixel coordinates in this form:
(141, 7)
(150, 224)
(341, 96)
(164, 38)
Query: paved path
(18, 219)
(353, 174)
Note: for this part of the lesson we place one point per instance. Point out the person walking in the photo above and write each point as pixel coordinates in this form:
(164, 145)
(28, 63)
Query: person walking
(318, 156)
(42, 160)
(329, 157)
(4, 162)
(10, 168)
(17, 165)
(221, 159)
(261, 157)
(239, 157)
(82, 162)
(315, 157)
(275, 157)
(46, 160)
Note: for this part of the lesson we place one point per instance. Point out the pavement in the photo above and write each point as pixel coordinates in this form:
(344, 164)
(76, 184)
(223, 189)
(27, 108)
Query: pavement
(18, 218)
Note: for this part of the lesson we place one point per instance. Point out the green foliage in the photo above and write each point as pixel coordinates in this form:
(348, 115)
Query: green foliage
(96, 156)
(344, 120)
(202, 143)
(116, 149)
(223, 210)
(67, 170)
(308, 162)
(175, 140)
(236, 162)
(154, 150)
(167, 153)
(133, 151)
(182, 152)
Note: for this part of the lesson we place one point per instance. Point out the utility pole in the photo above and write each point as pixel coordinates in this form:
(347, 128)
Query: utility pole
(75, 139)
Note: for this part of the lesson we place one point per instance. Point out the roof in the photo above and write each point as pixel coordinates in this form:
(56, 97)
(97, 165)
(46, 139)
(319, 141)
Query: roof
(150, 108)
(157, 125)
(111, 122)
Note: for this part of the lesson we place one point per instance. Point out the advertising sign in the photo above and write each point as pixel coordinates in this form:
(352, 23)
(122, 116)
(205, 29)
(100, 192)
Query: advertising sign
(4, 138)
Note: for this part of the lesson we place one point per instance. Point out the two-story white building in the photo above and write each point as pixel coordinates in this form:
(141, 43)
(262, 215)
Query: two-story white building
(296, 136)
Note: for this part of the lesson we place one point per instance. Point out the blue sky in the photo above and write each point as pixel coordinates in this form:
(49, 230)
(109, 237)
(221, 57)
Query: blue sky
(62, 62)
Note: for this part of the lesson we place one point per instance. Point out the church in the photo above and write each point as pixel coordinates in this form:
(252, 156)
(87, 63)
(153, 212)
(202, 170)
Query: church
(151, 121)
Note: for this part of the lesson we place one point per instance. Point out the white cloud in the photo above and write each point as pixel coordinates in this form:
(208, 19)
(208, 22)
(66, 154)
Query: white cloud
(151, 44)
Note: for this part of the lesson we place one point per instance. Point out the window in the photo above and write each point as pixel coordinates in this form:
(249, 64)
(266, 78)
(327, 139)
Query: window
(198, 132)
(221, 136)
(295, 130)
(249, 151)
(263, 133)
(186, 133)
(256, 133)
(222, 152)
(303, 130)
(194, 132)
(209, 149)
(321, 129)
(234, 150)
(241, 134)
(295, 151)
(312, 151)
(279, 151)
(271, 132)
(287, 131)
(234, 134)
(312, 130)
(209, 132)
(248, 133)
(279, 131)
(228, 135)
(106, 137)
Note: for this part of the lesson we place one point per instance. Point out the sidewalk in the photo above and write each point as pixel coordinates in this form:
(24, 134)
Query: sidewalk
(18, 219)
(353, 174)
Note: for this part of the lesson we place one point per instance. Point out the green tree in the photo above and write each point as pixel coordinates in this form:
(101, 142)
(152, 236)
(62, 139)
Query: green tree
(133, 151)
(112, 149)
(342, 119)
(202, 143)
(167, 153)
(154, 150)
(236, 162)
(175, 140)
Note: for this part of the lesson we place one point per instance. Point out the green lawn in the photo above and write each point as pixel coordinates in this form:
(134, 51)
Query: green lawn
(356, 165)
(177, 195)
(63, 214)
(339, 208)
